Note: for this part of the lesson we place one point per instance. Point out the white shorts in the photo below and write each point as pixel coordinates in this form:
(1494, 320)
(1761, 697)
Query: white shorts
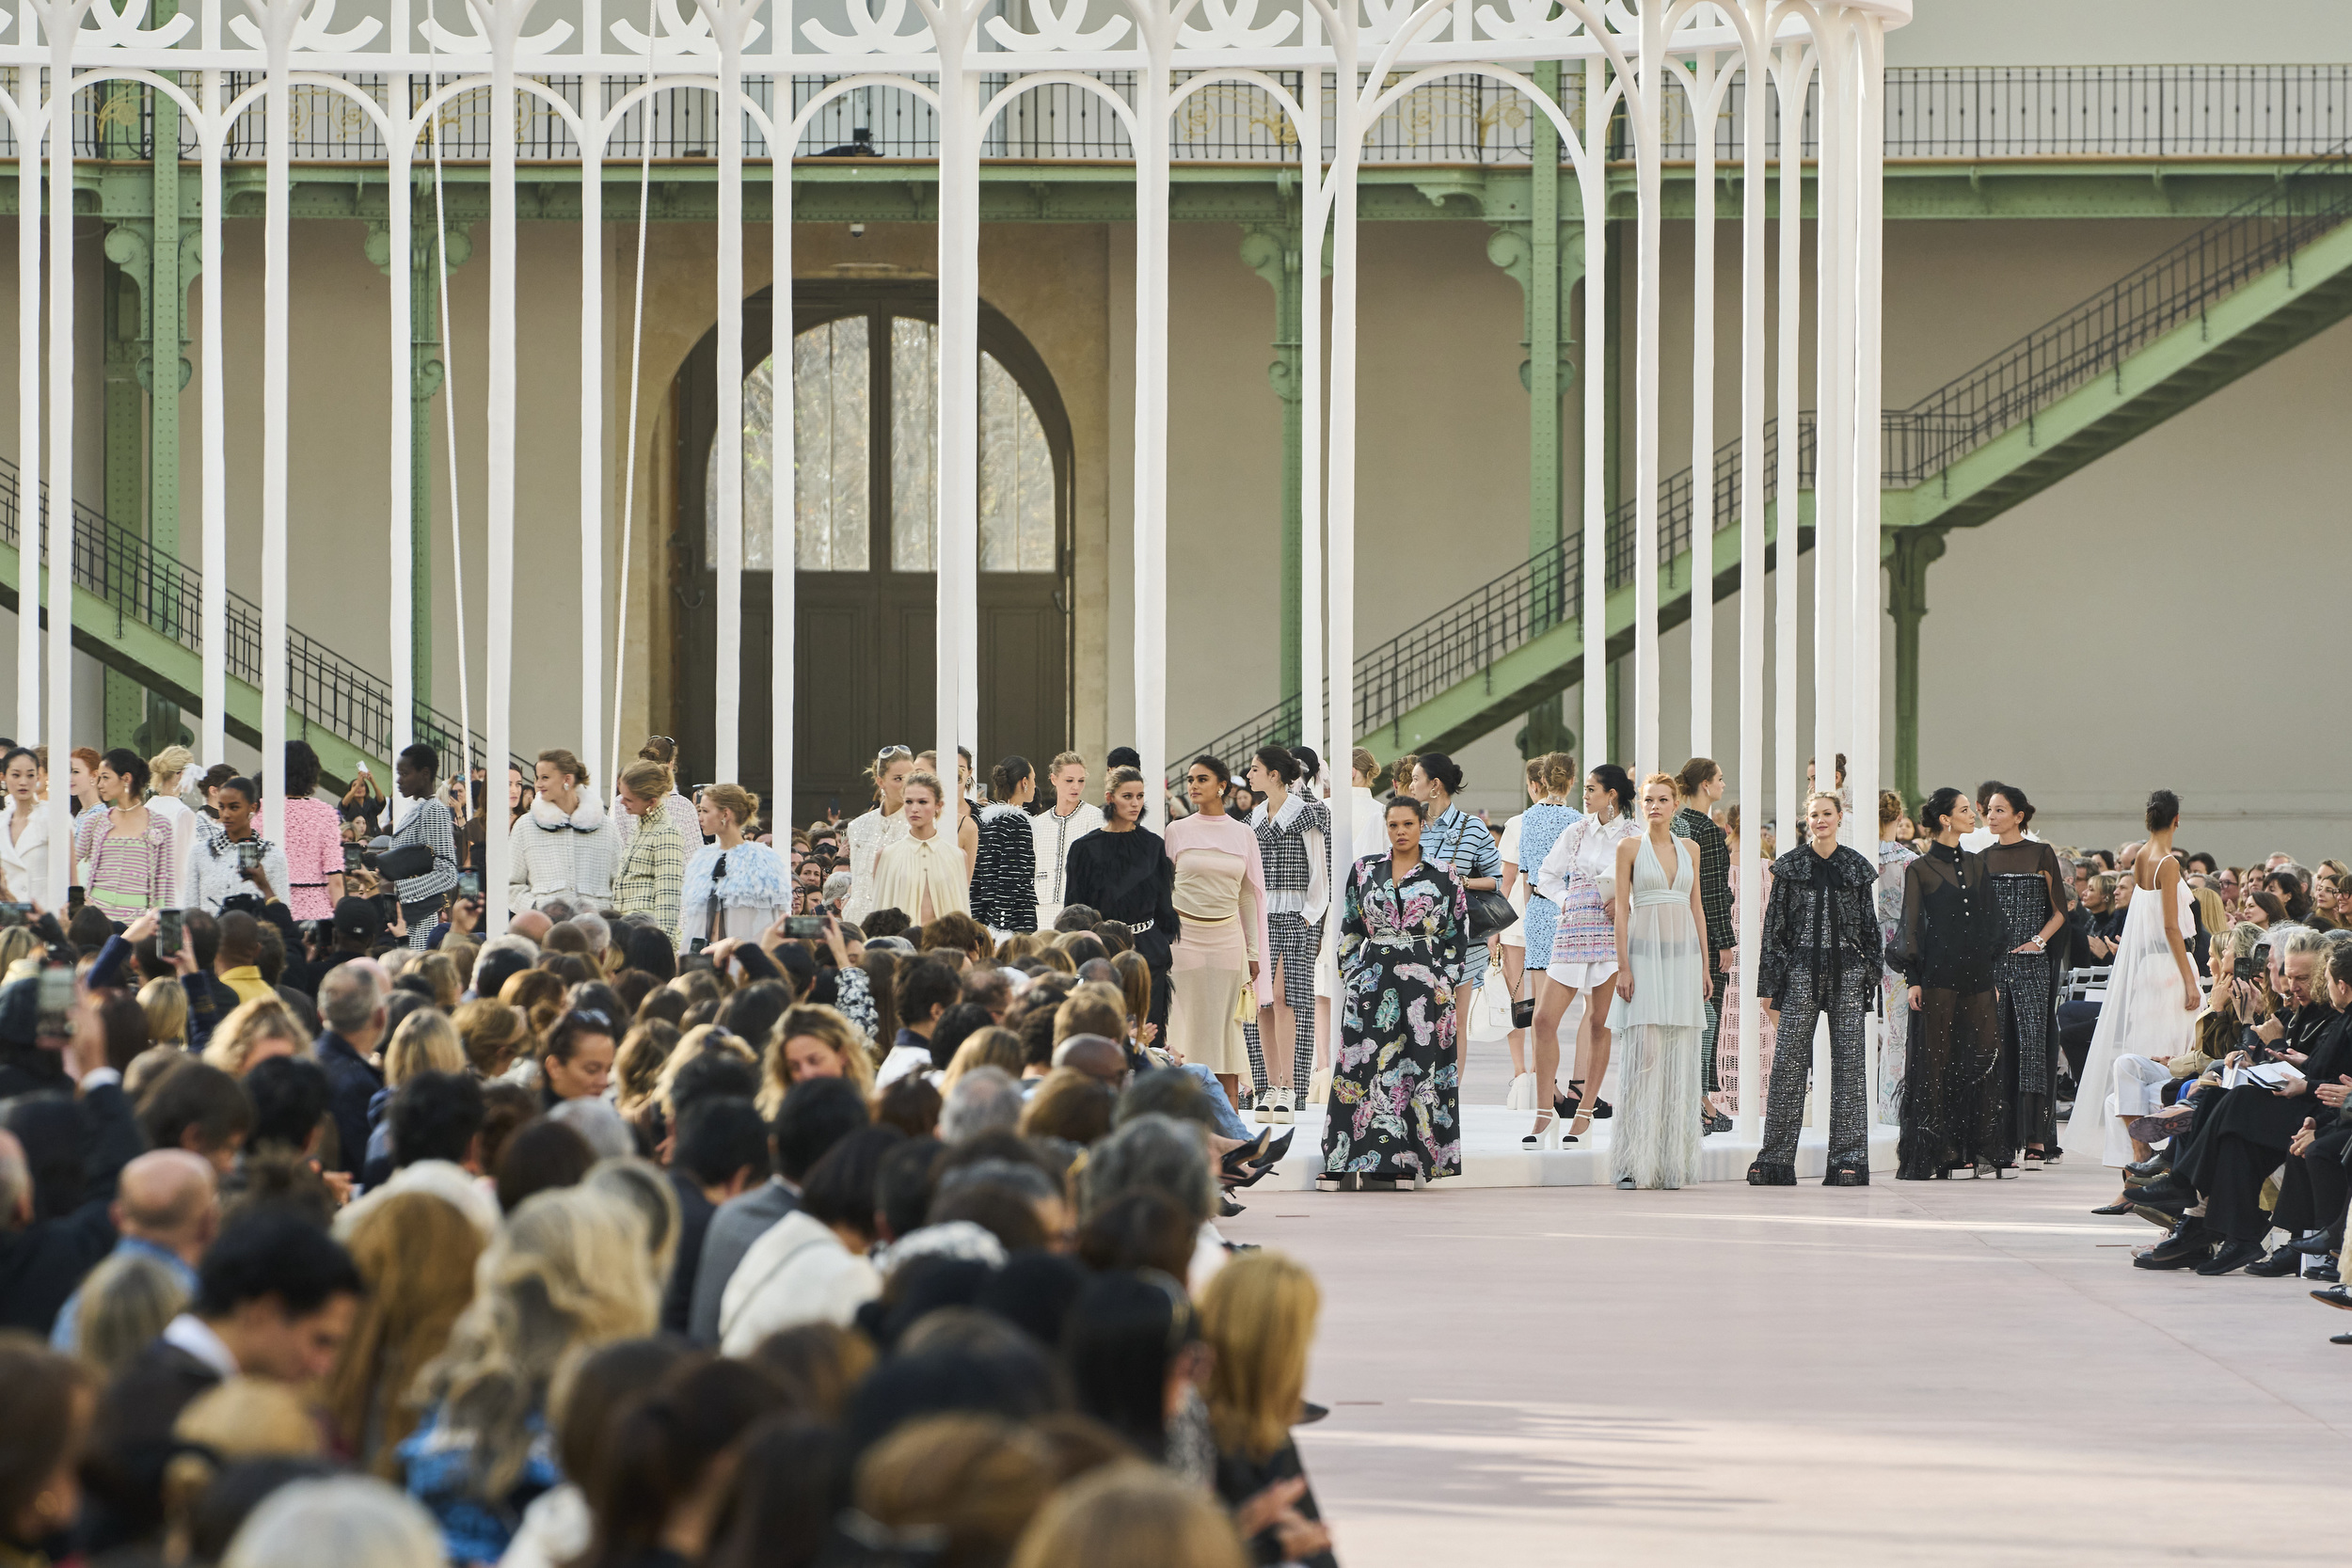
(1583, 976)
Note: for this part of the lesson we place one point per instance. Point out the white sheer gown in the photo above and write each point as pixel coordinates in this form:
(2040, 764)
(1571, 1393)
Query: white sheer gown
(2143, 1016)
(1655, 1139)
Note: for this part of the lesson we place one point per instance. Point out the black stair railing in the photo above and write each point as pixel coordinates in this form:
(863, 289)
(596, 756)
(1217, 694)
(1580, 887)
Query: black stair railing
(166, 596)
(2056, 358)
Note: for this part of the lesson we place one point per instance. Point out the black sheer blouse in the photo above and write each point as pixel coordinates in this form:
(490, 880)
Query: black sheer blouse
(2026, 858)
(1950, 934)
(1127, 877)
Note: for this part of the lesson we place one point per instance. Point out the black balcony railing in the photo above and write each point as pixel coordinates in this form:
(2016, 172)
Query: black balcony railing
(143, 584)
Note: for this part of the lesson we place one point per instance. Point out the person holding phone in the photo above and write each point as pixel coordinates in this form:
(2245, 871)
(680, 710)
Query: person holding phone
(427, 825)
(235, 867)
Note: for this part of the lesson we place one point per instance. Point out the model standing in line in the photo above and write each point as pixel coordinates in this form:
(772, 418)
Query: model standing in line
(1579, 875)
(1511, 942)
(1461, 844)
(875, 830)
(1123, 872)
(1946, 940)
(1367, 835)
(1727, 992)
(2153, 996)
(1004, 868)
(1395, 1112)
(733, 886)
(1220, 897)
(2029, 892)
(1821, 955)
(924, 875)
(1894, 992)
(1659, 1011)
(1055, 829)
(1293, 831)
(1539, 830)
(1697, 789)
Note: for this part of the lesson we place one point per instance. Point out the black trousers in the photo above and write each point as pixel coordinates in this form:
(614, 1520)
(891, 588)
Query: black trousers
(2076, 1022)
(2313, 1192)
(2236, 1165)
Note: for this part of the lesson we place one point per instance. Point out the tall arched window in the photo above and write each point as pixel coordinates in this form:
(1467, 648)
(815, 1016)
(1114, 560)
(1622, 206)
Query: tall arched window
(864, 402)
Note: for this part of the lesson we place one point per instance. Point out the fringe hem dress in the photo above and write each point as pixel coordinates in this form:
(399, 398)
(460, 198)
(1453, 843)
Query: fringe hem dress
(1395, 1106)
(1655, 1137)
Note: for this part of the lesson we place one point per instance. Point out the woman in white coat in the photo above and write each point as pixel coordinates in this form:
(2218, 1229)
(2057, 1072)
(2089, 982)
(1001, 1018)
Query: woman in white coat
(564, 846)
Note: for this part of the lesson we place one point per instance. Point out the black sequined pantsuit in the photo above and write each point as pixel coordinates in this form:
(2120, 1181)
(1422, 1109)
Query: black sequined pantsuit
(1849, 1007)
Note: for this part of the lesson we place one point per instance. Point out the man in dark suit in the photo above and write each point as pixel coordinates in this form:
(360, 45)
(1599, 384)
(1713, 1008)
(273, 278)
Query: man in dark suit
(42, 1261)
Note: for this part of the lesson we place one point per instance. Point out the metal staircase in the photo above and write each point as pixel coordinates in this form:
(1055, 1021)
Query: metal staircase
(2234, 296)
(137, 611)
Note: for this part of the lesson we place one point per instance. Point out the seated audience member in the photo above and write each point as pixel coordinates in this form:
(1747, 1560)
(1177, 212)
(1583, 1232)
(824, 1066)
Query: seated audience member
(815, 1116)
(721, 1151)
(436, 1136)
(811, 1266)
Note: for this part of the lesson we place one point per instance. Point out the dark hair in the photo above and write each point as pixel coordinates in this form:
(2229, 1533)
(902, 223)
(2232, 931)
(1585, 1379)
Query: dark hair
(909, 1104)
(782, 1510)
(1616, 782)
(435, 1116)
(196, 1097)
(1216, 765)
(232, 1494)
(124, 1024)
(302, 769)
(1006, 776)
(542, 1155)
(610, 1378)
(956, 1025)
(126, 764)
(15, 752)
(817, 1113)
(1694, 775)
(1406, 802)
(711, 1075)
(1441, 770)
(269, 1252)
(661, 1448)
(1938, 808)
(290, 1095)
(1120, 1334)
(43, 1410)
(925, 985)
(245, 786)
(840, 1187)
(2164, 810)
(718, 1138)
(566, 1033)
(1140, 1230)
(2016, 799)
(1002, 1211)
(902, 1188)
(1167, 1091)
(750, 1012)
(2269, 904)
(1279, 762)
(1310, 764)
(421, 755)
(648, 950)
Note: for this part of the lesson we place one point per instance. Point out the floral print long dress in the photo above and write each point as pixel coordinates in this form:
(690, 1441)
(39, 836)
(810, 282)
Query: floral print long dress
(1395, 1093)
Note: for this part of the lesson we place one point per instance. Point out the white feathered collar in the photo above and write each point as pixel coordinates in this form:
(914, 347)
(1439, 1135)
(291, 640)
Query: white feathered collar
(547, 816)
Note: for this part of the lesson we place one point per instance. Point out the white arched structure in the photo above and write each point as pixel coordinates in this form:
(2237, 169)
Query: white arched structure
(970, 60)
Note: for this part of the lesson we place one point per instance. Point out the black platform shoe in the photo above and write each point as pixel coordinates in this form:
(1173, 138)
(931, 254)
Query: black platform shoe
(1763, 1174)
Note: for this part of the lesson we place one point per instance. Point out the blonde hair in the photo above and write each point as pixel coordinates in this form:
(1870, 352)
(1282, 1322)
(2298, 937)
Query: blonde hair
(570, 1271)
(418, 1253)
(170, 763)
(647, 780)
(735, 801)
(126, 1301)
(1555, 771)
(928, 781)
(697, 1041)
(995, 1046)
(563, 762)
(492, 1033)
(426, 1041)
(441, 970)
(637, 1066)
(1825, 795)
(166, 1004)
(1093, 1007)
(1257, 1314)
(818, 1021)
(973, 1480)
(1891, 810)
(1062, 760)
(264, 1018)
(1129, 1511)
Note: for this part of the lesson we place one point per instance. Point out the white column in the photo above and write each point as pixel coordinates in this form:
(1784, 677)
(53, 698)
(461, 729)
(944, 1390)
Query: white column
(956, 539)
(400, 522)
(1702, 87)
(727, 457)
(32, 116)
(61, 23)
(1792, 73)
(784, 539)
(1644, 102)
(277, 363)
(1829, 595)
(213, 615)
(1755, 65)
(1151, 438)
(1339, 553)
(1312, 223)
(1870, 130)
(1593, 184)
(505, 20)
(594, 455)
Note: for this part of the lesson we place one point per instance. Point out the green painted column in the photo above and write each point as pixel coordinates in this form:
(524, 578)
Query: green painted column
(1276, 253)
(1914, 549)
(424, 348)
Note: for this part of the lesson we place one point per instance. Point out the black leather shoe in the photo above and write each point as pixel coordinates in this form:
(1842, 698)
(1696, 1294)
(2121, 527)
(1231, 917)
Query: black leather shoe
(2282, 1264)
(2231, 1256)
(2163, 1219)
(2165, 1191)
(1762, 1175)
(2323, 1270)
(2185, 1248)
(2122, 1207)
(1310, 1413)
(2335, 1295)
(2152, 1167)
(2316, 1247)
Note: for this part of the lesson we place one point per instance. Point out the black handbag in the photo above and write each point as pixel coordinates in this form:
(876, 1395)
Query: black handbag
(1489, 911)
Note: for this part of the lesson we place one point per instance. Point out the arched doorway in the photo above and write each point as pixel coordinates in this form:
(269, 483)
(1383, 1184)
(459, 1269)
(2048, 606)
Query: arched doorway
(864, 395)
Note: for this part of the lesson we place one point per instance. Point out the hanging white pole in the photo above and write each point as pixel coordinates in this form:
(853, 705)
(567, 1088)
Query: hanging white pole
(1309, 392)
(1643, 101)
(1340, 555)
(593, 452)
(784, 536)
(213, 615)
(505, 19)
(1756, 66)
(1592, 178)
(1832, 601)
(62, 22)
(400, 271)
(1701, 86)
(276, 360)
(1870, 148)
(955, 536)
(1151, 438)
(727, 462)
(31, 117)
(1794, 72)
